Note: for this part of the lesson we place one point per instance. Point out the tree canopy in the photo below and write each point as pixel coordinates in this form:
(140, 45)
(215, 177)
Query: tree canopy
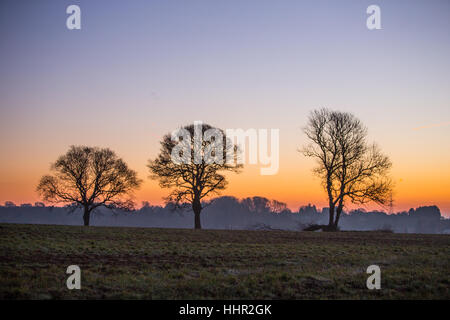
(90, 177)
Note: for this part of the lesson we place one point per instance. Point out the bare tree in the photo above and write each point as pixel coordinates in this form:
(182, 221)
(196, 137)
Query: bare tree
(200, 173)
(349, 167)
(87, 178)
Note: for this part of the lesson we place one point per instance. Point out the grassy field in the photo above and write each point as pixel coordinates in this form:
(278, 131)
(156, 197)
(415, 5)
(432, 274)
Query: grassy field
(139, 263)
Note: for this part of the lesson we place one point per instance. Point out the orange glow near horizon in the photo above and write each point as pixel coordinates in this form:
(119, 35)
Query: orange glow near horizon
(294, 184)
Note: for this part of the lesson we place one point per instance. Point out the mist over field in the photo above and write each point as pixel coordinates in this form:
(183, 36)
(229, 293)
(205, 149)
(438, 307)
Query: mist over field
(228, 213)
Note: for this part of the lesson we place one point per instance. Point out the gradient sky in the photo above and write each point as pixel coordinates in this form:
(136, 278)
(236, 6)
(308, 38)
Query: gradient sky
(139, 69)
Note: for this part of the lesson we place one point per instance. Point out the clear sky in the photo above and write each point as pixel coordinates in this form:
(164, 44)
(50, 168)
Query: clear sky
(139, 69)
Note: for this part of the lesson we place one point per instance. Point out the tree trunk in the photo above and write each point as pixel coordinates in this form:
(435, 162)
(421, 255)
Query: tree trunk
(338, 214)
(331, 219)
(330, 202)
(197, 208)
(86, 216)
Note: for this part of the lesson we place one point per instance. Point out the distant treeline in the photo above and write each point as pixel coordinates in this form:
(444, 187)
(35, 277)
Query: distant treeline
(231, 213)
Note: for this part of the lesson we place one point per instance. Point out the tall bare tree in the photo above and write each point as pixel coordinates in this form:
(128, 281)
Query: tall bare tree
(89, 177)
(200, 173)
(349, 167)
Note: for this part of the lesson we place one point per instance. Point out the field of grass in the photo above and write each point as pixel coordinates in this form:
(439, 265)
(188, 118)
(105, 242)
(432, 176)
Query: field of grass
(144, 263)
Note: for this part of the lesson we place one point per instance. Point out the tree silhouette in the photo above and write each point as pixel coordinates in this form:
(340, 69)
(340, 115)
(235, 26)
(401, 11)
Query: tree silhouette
(200, 171)
(348, 166)
(87, 178)
(10, 204)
